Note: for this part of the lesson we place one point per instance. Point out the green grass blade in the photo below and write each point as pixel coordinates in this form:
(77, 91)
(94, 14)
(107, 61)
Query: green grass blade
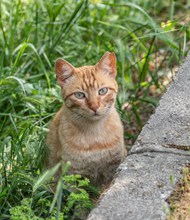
(20, 81)
(135, 6)
(46, 176)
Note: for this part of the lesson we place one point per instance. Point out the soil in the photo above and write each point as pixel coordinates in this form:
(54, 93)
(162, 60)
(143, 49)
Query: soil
(179, 201)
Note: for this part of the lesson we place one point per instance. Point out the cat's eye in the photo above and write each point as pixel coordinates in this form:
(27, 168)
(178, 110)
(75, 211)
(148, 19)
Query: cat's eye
(79, 95)
(103, 91)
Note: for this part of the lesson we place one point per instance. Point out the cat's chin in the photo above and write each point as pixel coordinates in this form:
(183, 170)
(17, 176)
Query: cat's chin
(90, 116)
(96, 117)
(99, 116)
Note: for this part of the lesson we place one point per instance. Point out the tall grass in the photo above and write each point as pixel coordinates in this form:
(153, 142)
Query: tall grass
(34, 33)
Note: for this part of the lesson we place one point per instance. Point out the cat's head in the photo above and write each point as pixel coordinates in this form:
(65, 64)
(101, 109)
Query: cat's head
(89, 91)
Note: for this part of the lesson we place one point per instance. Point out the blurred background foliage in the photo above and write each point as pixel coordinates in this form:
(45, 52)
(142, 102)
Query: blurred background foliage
(149, 38)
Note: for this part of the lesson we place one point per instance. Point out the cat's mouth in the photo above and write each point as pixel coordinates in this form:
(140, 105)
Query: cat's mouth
(95, 115)
(99, 115)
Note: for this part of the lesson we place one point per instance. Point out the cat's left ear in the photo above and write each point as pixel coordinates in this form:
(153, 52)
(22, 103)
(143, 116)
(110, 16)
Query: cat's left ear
(108, 64)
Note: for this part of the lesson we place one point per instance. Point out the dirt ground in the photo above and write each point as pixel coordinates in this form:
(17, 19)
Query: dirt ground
(180, 199)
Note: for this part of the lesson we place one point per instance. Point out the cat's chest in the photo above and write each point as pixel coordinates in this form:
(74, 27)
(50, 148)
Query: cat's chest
(90, 151)
(92, 139)
(91, 147)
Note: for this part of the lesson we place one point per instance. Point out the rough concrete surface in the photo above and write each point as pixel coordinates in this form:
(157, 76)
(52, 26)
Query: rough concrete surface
(170, 125)
(149, 174)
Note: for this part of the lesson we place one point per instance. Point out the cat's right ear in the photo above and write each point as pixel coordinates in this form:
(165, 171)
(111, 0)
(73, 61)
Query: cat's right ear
(64, 70)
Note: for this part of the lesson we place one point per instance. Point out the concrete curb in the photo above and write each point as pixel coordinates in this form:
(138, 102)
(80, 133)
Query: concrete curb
(149, 174)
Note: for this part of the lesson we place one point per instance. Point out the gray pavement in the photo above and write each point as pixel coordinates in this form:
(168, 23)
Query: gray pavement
(149, 174)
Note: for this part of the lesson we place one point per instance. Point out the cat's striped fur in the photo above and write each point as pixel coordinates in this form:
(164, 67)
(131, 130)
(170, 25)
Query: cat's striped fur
(87, 130)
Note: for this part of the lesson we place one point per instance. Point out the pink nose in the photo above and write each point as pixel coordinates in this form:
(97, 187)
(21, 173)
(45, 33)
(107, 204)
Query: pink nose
(94, 107)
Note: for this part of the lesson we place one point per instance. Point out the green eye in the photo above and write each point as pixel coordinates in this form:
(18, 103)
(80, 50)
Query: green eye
(103, 91)
(79, 95)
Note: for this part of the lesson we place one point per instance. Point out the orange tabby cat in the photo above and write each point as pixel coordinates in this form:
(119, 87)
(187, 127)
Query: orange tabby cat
(87, 130)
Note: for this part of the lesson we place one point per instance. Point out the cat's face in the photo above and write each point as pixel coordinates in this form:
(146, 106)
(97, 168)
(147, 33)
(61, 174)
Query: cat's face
(89, 91)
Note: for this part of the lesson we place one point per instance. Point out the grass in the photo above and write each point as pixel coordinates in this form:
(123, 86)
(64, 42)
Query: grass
(35, 33)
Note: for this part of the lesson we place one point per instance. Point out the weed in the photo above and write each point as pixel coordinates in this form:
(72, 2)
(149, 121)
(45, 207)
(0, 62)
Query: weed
(35, 33)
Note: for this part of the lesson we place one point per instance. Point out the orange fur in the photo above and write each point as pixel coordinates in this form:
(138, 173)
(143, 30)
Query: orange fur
(87, 131)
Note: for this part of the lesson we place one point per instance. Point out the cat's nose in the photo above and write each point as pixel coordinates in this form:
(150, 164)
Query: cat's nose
(94, 107)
